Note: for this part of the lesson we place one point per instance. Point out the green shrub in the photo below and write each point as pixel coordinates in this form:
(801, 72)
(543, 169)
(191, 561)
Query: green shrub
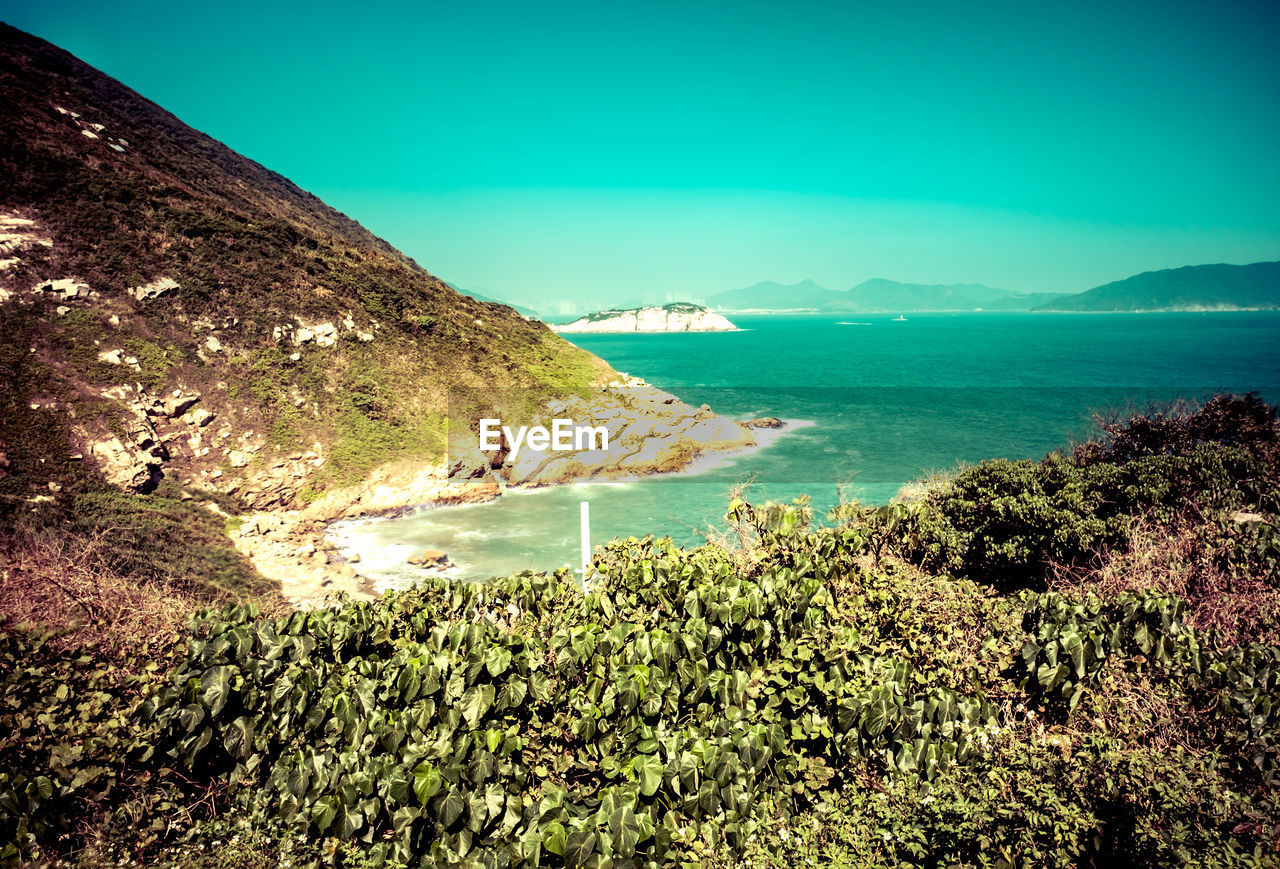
(1007, 521)
(65, 732)
(1244, 421)
(695, 703)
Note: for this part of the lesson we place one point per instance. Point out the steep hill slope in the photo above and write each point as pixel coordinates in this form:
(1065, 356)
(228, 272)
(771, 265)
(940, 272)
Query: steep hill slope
(171, 309)
(1217, 287)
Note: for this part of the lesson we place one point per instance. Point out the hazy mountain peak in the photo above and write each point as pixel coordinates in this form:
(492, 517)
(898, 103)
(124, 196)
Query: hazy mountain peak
(1217, 286)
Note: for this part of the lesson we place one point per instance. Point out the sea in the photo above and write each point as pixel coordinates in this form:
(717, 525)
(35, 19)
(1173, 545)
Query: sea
(871, 404)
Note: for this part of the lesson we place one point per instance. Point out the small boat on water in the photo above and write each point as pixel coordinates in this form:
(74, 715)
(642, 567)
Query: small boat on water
(899, 319)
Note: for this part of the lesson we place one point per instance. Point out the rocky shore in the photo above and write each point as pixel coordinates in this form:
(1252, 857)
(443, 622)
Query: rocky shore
(651, 432)
(199, 432)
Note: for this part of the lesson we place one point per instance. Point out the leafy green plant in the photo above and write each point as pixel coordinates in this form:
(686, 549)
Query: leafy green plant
(695, 703)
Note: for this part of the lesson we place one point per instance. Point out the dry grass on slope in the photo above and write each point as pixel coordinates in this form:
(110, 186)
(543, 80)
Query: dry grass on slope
(1198, 563)
(64, 586)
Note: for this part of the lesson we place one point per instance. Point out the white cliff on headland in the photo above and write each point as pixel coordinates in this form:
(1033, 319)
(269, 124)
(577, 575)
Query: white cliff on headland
(675, 317)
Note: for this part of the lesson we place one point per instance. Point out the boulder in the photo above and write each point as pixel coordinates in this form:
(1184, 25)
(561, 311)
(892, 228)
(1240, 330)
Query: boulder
(153, 290)
(179, 403)
(431, 559)
(65, 288)
(764, 422)
(326, 334)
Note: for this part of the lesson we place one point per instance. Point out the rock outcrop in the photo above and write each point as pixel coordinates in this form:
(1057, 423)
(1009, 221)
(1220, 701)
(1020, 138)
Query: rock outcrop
(676, 317)
(153, 290)
(65, 289)
(628, 431)
(17, 235)
(133, 455)
(432, 559)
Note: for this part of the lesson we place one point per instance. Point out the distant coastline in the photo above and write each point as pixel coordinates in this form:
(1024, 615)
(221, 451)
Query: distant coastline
(793, 312)
(1191, 289)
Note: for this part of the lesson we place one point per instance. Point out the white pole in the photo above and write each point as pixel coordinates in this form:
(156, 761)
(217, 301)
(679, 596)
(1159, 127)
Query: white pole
(586, 542)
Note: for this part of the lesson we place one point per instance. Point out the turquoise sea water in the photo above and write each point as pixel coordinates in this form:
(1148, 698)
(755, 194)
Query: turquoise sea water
(876, 403)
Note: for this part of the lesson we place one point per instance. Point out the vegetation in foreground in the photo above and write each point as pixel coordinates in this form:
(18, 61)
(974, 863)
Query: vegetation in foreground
(1063, 663)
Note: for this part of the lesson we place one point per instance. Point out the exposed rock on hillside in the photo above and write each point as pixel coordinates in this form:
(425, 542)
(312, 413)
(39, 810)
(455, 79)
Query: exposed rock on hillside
(154, 289)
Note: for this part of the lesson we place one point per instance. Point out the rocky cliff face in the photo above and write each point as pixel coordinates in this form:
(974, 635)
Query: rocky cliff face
(664, 318)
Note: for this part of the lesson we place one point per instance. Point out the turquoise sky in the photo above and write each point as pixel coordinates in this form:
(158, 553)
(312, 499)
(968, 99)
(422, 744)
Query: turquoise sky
(619, 150)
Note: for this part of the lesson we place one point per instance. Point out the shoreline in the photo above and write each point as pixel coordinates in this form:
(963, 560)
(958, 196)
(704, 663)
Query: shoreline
(294, 546)
(394, 571)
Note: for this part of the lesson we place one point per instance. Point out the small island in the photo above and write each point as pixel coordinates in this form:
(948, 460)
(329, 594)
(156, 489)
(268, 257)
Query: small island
(674, 317)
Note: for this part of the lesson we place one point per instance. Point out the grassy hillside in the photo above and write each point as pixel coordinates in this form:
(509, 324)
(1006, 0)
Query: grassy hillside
(1013, 670)
(298, 329)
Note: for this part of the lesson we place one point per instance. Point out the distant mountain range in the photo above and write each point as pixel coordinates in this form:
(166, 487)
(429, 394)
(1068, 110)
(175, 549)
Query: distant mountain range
(1190, 288)
(1217, 287)
(876, 295)
(479, 297)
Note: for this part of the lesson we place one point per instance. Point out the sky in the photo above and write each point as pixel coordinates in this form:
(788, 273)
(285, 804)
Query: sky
(602, 152)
